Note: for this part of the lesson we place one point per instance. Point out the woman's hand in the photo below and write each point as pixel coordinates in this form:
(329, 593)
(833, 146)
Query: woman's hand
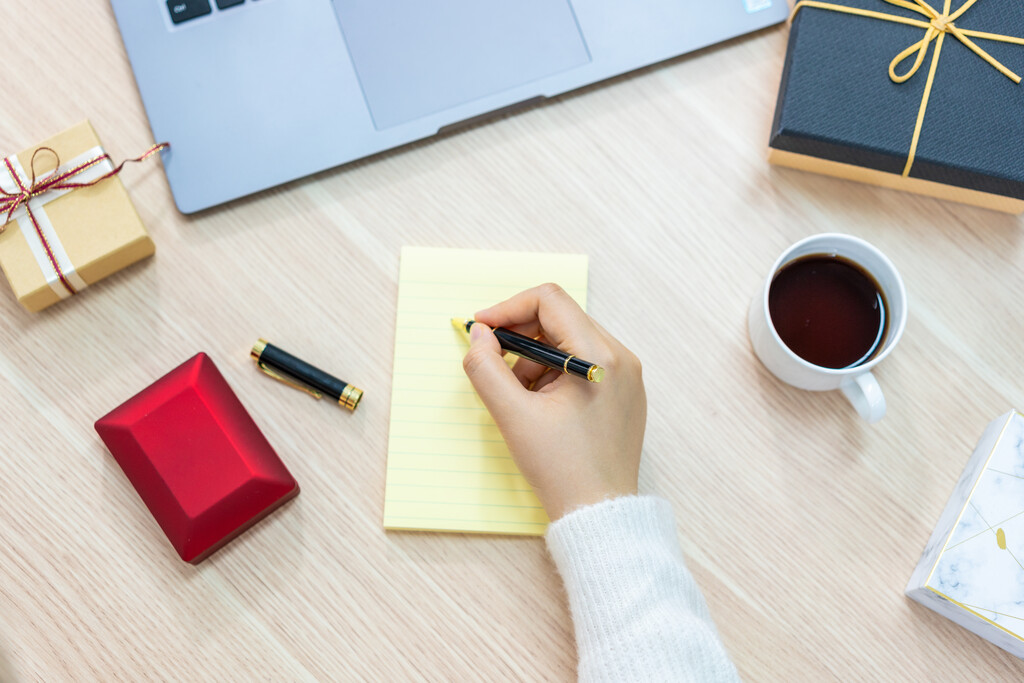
(575, 441)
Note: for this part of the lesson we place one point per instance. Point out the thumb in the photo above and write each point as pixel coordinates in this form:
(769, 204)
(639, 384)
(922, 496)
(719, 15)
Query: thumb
(490, 375)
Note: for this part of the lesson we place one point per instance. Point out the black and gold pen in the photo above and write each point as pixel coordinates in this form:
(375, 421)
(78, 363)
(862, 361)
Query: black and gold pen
(531, 349)
(300, 375)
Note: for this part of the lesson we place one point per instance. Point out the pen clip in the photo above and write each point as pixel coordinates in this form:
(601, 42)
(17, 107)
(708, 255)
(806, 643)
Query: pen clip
(284, 380)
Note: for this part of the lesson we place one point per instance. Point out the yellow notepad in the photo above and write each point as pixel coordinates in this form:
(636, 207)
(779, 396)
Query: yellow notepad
(448, 467)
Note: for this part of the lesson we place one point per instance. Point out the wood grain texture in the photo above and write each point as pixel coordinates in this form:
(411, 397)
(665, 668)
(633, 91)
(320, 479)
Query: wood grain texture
(801, 523)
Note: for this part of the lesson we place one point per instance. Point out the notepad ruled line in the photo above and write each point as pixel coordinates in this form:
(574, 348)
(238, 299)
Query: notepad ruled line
(413, 523)
(428, 406)
(447, 345)
(445, 422)
(456, 455)
(432, 469)
(479, 505)
(459, 488)
(445, 438)
(440, 391)
(429, 374)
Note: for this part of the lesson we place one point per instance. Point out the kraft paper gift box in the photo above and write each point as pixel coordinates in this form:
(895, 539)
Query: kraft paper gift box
(84, 234)
(971, 570)
(953, 129)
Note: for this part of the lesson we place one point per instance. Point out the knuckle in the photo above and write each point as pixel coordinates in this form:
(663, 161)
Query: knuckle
(606, 351)
(550, 289)
(625, 361)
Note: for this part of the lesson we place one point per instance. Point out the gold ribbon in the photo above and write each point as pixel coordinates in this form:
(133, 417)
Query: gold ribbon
(937, 26)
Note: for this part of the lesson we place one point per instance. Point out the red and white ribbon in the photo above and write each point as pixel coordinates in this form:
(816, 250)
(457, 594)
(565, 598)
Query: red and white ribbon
(23, 199)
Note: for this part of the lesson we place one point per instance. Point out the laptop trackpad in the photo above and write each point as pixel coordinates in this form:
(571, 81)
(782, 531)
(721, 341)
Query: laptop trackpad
(416, 58)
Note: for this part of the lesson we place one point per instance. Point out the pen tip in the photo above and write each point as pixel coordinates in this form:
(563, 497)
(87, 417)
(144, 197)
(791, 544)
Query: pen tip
(459, 323)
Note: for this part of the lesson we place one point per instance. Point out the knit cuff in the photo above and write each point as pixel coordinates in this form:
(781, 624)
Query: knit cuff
(589, 531)
(605, 550)
(637, 612)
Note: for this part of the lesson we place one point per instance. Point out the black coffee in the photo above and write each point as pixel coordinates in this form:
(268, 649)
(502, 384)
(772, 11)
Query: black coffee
(828, 311)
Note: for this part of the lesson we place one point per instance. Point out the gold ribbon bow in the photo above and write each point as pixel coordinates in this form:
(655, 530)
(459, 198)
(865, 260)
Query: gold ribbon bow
(937, 27)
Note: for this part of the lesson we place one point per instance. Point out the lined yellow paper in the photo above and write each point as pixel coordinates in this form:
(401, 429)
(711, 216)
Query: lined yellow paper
(448, 467)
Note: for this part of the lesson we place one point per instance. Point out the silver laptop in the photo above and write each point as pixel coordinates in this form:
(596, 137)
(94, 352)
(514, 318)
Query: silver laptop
(254, 93)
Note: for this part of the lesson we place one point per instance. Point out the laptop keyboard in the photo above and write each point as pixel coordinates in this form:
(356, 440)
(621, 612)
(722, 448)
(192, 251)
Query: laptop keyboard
(183, 10)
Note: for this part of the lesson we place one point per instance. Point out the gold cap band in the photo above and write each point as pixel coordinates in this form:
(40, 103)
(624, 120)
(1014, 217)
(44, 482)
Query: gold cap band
(350, 397)
(257, 350)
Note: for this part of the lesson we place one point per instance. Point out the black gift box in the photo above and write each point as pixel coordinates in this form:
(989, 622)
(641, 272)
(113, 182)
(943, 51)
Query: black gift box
(838, 103)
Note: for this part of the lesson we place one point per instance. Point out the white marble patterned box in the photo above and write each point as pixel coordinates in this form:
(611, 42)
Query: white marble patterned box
(972, 570)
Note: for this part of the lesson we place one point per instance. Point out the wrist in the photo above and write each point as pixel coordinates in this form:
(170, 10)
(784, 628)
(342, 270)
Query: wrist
(563, 505)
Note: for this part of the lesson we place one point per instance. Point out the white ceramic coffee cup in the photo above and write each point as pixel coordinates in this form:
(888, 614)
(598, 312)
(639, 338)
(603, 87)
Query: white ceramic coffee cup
(857, 383)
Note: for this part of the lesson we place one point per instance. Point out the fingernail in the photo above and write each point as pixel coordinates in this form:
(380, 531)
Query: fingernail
(476, 330)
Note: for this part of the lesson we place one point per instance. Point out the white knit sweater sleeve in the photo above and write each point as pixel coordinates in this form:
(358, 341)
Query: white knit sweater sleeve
(638, 614)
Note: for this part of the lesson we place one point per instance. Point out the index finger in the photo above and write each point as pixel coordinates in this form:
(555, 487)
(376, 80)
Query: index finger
(549, 308)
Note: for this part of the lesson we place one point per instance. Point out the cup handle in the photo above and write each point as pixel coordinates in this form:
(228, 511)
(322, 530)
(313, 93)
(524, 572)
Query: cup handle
(865, 395)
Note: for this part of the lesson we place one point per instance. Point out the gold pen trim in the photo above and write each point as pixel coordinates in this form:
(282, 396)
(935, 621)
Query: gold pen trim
(350, 397)
(565, 365)
(595, 373)
(257, 349)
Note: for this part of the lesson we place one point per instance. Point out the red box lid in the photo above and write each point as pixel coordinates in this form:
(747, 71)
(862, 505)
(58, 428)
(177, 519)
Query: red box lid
(196, 457)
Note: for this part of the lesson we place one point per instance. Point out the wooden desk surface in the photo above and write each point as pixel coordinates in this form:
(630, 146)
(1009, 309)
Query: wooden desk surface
(801, 523)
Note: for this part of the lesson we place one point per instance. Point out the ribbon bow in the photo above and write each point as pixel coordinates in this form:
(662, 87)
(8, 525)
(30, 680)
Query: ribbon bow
(937, 27)
(57, 180)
